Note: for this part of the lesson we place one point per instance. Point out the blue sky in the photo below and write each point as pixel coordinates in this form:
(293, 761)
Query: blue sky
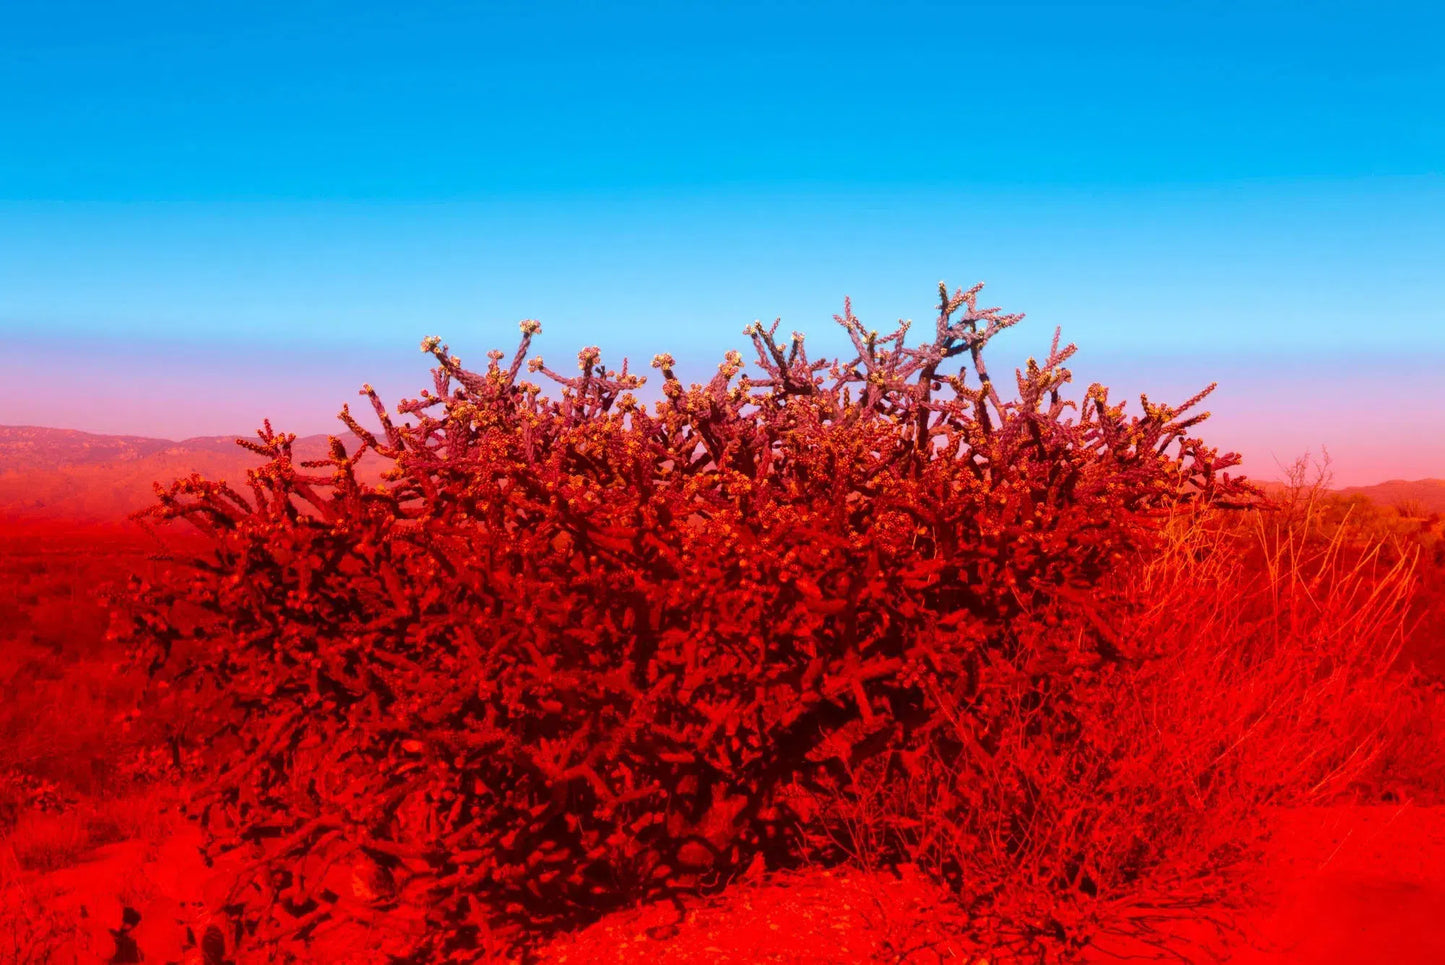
(1249, 192)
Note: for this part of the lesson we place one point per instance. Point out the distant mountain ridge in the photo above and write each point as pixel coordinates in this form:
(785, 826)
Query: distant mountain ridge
(93, 477)
(1427, 494)
(38, 447)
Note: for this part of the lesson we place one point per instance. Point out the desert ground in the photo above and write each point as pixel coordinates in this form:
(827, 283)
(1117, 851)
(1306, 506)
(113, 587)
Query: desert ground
(99, 863)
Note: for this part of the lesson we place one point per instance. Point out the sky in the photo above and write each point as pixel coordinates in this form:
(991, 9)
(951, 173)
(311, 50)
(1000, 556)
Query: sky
(216, 213)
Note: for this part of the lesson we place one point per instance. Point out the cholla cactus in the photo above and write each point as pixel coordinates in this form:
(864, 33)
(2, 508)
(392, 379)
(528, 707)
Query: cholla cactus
(578, 651)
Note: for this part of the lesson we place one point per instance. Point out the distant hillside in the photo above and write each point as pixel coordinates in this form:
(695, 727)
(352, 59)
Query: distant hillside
(88, 477)
(1427, 494)
(28, 448)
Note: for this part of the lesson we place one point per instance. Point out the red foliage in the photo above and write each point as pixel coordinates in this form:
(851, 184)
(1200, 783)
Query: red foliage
(575, 653)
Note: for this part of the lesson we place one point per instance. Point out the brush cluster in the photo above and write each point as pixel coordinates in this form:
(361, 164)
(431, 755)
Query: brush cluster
(580, 651)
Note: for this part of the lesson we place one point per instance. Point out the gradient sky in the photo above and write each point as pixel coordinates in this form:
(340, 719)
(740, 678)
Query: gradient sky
(213, 213)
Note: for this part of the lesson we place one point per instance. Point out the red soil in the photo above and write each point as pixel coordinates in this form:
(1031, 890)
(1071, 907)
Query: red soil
(1356, 884)
(1346, 884)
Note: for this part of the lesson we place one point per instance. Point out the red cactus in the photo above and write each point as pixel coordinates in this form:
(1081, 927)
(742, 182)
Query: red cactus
(577, 651)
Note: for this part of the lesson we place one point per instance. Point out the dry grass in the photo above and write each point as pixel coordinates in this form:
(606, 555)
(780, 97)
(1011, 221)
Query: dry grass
(1265, 673)
(33, 931)
(43, 841)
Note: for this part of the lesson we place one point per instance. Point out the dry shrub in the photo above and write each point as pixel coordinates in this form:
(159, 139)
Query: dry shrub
(1411, 756)
(65, 732)
(576, 653)
(1411, 766)
(64, 724)
(1286, 650)
(47, 840)
(32, 929)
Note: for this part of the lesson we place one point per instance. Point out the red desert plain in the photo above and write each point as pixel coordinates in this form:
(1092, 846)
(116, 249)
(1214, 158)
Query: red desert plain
(879, 658)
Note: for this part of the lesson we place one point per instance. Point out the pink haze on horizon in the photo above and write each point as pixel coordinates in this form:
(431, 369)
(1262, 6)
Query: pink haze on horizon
(1377, 422)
